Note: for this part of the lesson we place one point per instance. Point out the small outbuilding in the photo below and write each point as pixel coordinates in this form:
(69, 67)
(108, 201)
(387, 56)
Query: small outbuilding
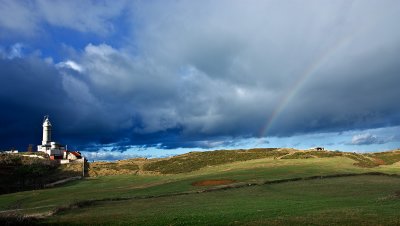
(74, 155)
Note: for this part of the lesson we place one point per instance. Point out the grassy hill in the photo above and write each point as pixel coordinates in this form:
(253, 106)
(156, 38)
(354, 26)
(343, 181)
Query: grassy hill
(258, 186)
(197, 160)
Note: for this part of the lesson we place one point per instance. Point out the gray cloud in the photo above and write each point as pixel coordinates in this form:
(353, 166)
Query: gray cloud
(84, 16)
(367, 139)
(18, 16)
(192, 71)
(26, 17)
(261, 49)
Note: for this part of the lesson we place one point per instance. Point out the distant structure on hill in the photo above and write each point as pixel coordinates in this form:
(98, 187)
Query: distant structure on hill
(12, 151)
(55, 150)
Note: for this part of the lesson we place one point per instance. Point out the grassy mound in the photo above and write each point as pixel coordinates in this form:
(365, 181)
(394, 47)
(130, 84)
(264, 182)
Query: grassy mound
(386, 158)
(113, 168)
(362, 160)
(196, 160)
(312, 154)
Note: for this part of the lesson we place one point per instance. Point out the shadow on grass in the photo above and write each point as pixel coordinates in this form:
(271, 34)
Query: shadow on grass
(17, 219)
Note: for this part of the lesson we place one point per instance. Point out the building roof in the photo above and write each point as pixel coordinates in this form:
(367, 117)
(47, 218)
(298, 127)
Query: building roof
(76, 153)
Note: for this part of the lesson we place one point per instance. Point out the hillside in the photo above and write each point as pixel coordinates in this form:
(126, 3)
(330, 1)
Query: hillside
(257, 186)
(19, 172)
(193, 161)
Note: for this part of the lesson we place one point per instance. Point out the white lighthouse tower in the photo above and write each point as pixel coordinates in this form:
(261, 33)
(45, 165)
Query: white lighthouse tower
(53, 149)
(46, 131)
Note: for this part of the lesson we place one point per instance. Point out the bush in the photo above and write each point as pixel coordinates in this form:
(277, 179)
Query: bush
(10, 160)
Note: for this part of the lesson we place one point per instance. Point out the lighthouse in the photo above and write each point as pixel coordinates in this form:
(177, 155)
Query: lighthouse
(46, 131)
(53, 149)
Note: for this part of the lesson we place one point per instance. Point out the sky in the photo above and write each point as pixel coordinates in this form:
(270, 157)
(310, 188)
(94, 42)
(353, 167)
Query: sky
(122, 79)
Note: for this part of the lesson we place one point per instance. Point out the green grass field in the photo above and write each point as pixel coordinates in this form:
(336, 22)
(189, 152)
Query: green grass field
(171, 199)
(359, 200)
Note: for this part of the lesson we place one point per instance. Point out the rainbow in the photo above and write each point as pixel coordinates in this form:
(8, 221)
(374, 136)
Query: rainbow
(299, 83)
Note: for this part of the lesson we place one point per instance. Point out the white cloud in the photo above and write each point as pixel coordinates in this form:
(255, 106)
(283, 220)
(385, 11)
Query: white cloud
(108, 155)
(70, 65)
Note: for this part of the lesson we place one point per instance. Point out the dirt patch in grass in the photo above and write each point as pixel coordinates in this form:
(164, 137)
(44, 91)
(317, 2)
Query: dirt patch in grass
(212, 182)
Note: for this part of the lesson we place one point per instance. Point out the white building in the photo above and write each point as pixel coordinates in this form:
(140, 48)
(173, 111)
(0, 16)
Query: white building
(53, 149)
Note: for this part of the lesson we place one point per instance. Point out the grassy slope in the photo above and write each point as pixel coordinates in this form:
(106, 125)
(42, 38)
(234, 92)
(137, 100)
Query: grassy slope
(302, 202)
(113, 168)
(19, 172)
(131, 185)
(197, 160)
(126, 186)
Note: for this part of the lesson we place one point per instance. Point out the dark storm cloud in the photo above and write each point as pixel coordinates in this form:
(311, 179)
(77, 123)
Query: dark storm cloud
(195, 73)
(29, 89)
(32, 88)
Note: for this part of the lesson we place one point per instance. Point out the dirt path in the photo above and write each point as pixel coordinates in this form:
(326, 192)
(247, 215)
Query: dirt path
(33, 208)
(62, 181)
